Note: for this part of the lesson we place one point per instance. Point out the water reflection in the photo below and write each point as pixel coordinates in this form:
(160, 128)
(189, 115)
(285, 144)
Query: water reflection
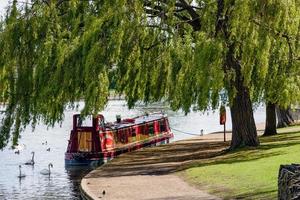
(75, 173)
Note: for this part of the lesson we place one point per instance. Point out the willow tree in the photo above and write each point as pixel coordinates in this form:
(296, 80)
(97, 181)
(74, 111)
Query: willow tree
(46, 66)
(184, 52)
(282, 84)
(285, 117)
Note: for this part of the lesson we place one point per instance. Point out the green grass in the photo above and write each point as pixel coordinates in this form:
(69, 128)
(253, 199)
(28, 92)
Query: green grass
(249, 173)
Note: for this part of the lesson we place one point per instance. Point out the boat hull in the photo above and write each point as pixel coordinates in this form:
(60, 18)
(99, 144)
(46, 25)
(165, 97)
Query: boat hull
(86, 162)
(96, 159)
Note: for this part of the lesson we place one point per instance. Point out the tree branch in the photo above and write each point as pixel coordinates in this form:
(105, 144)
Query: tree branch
(280, 34)
(195, 21)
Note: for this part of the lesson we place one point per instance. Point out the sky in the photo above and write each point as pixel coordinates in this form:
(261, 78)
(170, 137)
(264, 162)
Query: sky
(3, 4)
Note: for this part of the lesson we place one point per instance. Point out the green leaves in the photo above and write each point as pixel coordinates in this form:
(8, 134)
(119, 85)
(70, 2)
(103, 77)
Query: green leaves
(54, 55)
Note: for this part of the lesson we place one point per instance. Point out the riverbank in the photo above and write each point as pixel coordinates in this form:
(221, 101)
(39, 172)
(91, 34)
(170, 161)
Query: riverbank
(149, 173)
(158, 172)
(247, 173)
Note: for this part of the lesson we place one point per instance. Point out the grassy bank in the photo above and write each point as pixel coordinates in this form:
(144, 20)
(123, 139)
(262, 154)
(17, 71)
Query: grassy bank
(248, 173)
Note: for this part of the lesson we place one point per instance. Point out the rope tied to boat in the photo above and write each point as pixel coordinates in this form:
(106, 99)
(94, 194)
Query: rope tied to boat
(187, 132)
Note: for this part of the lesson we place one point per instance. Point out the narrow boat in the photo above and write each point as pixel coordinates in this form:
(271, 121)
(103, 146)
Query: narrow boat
(96, 142)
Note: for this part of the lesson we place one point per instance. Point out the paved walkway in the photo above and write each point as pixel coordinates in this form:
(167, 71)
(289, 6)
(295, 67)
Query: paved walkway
(142, 187)
(148, 174)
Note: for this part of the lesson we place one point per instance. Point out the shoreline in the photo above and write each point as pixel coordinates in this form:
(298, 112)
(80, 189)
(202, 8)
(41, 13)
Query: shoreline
(125, 176)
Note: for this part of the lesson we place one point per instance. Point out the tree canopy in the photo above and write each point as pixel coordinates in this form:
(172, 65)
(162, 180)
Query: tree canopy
(55, 53)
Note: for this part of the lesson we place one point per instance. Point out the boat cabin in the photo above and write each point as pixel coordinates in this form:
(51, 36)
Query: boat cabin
(84, 135)
(92, 138)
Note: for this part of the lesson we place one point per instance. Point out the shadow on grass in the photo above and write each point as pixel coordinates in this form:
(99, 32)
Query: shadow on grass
(283, 140)
(280, 136)
(179, 156)
(265, 194)
(159, 160)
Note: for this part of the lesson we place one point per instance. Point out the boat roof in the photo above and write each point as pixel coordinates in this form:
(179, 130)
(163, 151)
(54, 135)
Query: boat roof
(137, 120)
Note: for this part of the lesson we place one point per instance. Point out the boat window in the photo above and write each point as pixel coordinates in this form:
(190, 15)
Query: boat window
(85, 141)
(115, 135)
(85, 122)
(150, 129)
(162, 126)
(142, 129)
(133, 132)
(120, 135)
(123, 135)
(126, 135)
(101, 122)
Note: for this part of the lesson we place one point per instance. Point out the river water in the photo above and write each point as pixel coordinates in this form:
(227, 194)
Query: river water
(63, 183)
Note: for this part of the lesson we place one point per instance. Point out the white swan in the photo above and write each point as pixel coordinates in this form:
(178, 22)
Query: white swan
(30, 162)
(21, 175)
(47, 171)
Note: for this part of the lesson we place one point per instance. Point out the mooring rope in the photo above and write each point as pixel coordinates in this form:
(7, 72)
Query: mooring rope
(185, 132)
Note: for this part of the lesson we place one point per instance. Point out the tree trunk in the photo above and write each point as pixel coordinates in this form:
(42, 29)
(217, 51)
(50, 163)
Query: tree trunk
(270, 128)
(284, 116)
(243, 124)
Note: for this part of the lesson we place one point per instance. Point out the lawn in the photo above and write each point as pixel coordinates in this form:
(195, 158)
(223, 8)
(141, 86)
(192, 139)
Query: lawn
(249, 173)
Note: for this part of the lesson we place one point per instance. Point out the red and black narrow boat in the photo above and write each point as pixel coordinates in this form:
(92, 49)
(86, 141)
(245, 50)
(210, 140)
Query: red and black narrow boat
(98, 142)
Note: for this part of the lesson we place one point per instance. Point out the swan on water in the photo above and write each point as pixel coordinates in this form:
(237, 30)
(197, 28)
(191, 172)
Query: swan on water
(47, 171)
(21, 175)
(30, 162)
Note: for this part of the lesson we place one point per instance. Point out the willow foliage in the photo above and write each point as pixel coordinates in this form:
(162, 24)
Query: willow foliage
(55, 53)
(283, 78)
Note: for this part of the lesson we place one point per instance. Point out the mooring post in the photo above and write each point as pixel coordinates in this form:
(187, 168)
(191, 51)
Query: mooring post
(224, 132)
